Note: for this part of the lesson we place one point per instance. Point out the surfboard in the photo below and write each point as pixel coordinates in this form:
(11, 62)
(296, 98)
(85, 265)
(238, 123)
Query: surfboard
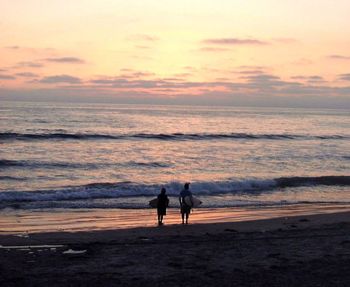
(193, 202)
(153, 203)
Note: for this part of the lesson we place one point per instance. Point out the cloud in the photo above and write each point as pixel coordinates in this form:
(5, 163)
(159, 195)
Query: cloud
(183, 75)
(127, 70)
(261, 77)
(251, 67)
(13, 47)
(6, 77)
(73, 60)
(151, 85)
(287, 95)
(222, 79)
(299, 77)
(121, 82)
(17, 47)
(257, 82)
(246, 71)
(246, 85)
(339, 57)
(60, 79)
(250, 72)
(27, 75)
(29, 64)
(344, 77)
(20, 49)
(139, 74)
(310, 79)
(260, 89)
(131, 74)
(234, 41)
(316, 78)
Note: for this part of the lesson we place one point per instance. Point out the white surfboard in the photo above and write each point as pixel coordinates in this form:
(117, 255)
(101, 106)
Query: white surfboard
(192, 201)
(154, 202)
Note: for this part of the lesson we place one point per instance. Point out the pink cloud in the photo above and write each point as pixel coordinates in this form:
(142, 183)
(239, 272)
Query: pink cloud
(69, 60)
(234, 41)
(6, 77)
(60, 79)
(339, 57)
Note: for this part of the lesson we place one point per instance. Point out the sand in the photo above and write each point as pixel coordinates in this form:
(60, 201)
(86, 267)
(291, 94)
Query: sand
(72, 220)
(307, 250)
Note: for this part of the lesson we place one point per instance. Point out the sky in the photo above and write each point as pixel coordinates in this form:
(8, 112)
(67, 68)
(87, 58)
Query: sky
(292, 53)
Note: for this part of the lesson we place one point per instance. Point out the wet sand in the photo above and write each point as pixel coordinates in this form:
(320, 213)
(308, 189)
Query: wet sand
(306, 250)
(72, 220)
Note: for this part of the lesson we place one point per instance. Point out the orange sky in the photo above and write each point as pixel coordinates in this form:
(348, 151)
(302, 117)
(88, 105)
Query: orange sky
(219, 51)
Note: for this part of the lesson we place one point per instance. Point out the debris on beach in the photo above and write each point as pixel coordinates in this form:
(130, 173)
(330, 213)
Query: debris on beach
(23, 235)
(71, 251)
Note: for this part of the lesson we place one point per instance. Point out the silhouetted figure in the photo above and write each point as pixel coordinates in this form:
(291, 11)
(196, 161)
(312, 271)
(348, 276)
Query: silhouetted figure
(185, 208)
(162, 204)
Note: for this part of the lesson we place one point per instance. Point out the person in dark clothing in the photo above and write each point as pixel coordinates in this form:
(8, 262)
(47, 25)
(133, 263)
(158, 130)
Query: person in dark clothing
(163, 202)
(185, 209)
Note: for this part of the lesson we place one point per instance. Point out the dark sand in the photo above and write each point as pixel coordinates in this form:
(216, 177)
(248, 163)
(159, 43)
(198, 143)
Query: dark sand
(296, 251)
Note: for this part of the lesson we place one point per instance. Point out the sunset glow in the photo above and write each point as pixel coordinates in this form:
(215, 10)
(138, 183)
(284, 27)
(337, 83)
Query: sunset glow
(227, 52)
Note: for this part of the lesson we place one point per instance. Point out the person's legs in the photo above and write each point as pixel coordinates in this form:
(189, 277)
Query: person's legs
(187, 214)
(159, 218)
(183, 216)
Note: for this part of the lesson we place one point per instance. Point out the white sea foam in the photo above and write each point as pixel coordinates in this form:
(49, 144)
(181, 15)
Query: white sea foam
(128, 193)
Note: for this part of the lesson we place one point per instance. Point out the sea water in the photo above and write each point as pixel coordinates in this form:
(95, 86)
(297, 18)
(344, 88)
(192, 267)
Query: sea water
(89, 156)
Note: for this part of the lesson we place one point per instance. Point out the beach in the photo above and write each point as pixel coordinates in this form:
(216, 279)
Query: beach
(76, 181)
(114, 114)
(304, 250)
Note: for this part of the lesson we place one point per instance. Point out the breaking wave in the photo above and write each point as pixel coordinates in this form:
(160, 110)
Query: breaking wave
(4, 163)
(165, 137)
(131, 190)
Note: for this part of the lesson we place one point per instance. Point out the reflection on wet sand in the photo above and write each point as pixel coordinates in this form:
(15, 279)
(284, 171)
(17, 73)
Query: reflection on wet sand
(22, 222)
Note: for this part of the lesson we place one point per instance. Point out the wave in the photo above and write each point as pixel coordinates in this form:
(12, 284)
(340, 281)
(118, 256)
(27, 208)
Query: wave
(4, 163)
(14, 178)
(307, 181)
(165, 137)
(142, 204)
(131, 190)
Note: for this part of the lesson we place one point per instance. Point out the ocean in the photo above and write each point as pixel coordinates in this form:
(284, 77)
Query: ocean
(98, 156)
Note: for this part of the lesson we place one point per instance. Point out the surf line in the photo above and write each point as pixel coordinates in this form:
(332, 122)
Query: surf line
(30, 246)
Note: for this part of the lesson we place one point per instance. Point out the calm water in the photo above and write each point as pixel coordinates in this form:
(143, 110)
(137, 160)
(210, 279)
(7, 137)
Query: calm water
(101, 156)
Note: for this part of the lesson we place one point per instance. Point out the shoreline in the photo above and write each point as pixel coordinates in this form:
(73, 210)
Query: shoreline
(287, 223)
(89, 220)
